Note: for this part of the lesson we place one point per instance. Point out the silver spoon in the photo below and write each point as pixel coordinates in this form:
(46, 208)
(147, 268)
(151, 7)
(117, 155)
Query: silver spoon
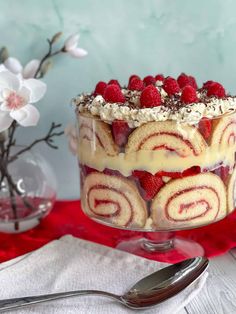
(149, 291)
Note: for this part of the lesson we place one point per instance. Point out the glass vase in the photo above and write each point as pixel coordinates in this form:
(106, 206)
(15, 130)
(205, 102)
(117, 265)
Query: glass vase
(27, 192)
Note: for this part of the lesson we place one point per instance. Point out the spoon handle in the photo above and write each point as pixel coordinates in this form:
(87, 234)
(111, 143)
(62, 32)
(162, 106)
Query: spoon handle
(25, 301)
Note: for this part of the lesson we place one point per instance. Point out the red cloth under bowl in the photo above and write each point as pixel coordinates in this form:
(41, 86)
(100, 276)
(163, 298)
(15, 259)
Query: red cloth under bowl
(68, 218)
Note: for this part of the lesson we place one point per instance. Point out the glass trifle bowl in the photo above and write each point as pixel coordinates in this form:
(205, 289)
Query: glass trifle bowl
(157, 159)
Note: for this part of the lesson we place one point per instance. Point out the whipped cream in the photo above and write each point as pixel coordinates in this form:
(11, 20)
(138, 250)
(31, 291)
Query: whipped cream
(131, 113)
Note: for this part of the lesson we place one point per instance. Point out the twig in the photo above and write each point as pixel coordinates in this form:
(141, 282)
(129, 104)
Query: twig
(47, 139)
(48, 55)
(13, 205)
(13, 187)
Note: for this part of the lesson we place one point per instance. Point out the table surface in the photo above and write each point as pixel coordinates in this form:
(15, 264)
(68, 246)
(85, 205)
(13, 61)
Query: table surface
(219, 294)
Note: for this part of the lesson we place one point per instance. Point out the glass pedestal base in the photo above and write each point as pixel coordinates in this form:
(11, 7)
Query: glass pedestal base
(162, 247)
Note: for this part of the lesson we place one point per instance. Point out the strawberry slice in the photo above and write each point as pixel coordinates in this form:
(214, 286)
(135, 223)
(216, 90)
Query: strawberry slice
(120, 131)
(138, 173)
(151, 184)
(191, 171)
(176, 175)
(205, 127)
(223, 173)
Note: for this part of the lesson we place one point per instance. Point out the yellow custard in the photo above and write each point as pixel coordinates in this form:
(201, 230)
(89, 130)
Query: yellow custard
(154, 161)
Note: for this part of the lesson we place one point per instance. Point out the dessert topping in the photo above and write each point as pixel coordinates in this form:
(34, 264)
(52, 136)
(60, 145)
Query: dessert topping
(150, 97)
(189, 95)
(136, 84)
(171, 86)
(149, 80)
(99, 89)
(112, 93)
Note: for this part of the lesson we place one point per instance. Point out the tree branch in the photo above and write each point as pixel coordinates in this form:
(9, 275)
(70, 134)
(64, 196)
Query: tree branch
(48, 139)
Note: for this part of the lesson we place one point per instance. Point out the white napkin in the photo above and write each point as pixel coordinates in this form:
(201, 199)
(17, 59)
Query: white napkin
(72, 264)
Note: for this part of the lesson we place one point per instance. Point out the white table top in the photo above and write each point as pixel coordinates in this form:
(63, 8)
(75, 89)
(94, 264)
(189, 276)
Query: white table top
(219, 294)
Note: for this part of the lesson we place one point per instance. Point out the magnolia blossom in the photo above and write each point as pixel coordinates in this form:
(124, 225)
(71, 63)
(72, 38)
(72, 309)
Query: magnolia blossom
(71, 47)
(70, 132)
(16, 97)
(14, 66)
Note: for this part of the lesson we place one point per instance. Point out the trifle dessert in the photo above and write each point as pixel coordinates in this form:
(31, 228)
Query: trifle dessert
(157, 154)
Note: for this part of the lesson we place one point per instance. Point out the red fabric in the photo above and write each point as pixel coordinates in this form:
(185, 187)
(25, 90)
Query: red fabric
(68, 218)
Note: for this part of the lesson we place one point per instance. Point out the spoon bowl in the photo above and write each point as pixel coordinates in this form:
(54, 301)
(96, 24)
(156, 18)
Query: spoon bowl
(165, 283)
(147, 292)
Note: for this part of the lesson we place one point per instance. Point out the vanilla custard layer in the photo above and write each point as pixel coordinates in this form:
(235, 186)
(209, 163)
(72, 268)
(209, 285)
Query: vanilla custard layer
(154, 161)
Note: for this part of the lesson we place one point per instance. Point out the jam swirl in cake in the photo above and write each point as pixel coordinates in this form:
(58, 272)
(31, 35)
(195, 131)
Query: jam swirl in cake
(158, 154)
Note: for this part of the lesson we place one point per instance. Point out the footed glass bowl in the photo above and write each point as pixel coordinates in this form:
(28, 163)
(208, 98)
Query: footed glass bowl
(157, 178)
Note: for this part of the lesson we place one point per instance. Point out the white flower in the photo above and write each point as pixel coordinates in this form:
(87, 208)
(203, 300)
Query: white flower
(70, 132)
(71, 46)
(16, 96)
(14, 66)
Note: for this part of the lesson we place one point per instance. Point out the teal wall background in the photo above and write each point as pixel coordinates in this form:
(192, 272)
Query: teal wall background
(122, 37)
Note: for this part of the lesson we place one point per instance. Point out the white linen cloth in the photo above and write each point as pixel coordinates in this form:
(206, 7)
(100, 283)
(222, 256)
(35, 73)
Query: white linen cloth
(72, 264)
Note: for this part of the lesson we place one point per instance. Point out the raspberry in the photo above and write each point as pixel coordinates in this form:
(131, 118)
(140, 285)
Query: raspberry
(150, 97)
(149, 80)
(184, 80)
(216, 89)
(159, 77)
(136, 84)
(120, 131)
(113, 93)
(133, 76)
(205, 127)
(171, 86)
(99, 89)
(151, 184)
(207, 84)
(114, 82)
(188, 95)
(192, 82)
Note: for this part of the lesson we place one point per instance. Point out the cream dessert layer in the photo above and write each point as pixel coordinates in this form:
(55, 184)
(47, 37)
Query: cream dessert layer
(171, 107)
(154, 161)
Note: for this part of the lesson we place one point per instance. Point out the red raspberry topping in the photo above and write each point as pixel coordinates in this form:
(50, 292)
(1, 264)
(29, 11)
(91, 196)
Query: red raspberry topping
(120, 131)
(113, 93)
(151, 184)
(205, 126)
(150, 97)
(149, 80)
(171, 86)
(159, 77)
(207, 84)
(136, 84)
(189, 95)
(133, 76)
(192, 82)
(114, 82)
(99, 89)
(184, 80)
(216, 89)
